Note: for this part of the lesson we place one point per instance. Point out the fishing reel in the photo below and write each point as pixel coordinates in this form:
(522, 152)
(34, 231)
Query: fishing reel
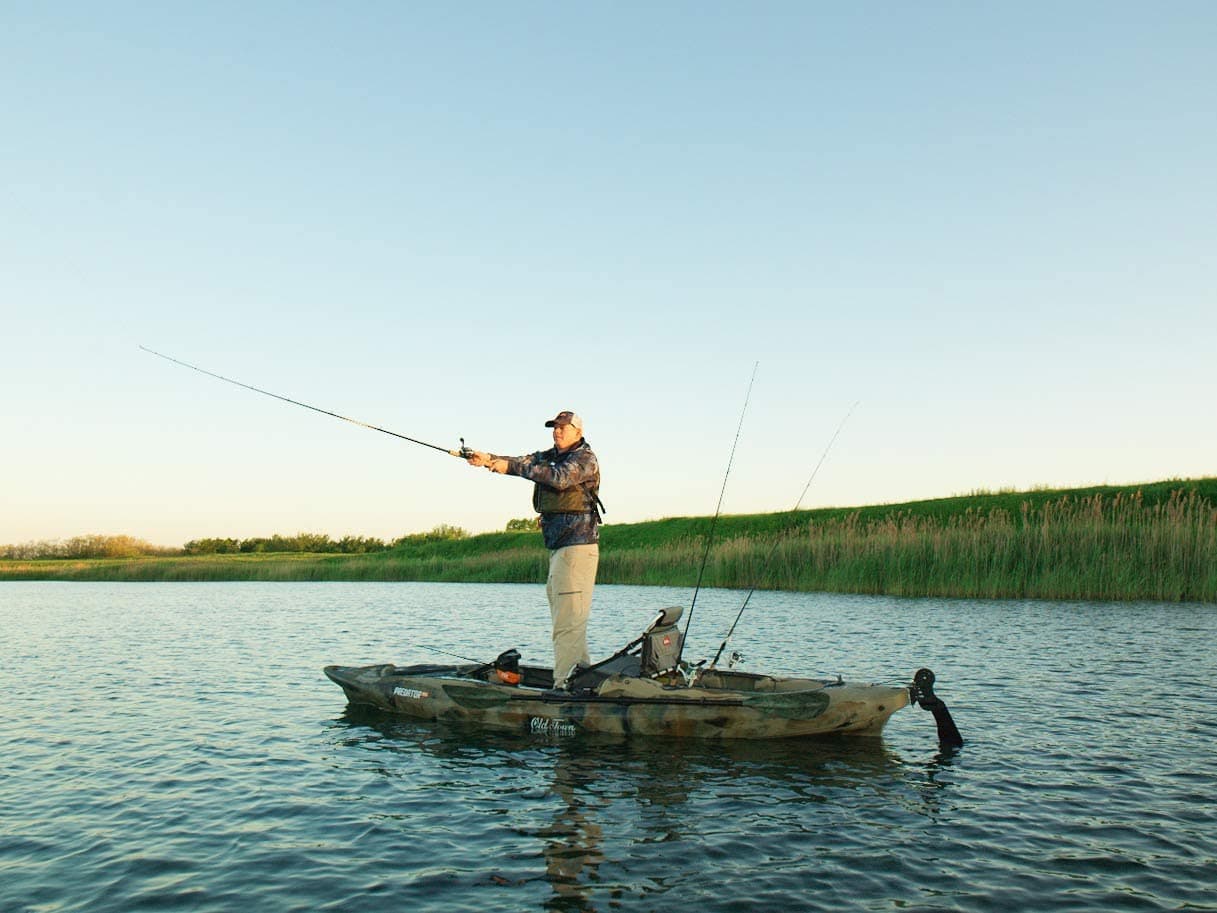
(507, 667)
(464, 453)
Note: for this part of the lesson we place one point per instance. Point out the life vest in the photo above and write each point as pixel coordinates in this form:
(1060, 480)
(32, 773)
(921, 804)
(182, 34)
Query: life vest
(583, 498)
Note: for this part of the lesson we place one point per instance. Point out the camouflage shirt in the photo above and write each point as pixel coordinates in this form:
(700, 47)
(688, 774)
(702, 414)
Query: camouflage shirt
(570, 480)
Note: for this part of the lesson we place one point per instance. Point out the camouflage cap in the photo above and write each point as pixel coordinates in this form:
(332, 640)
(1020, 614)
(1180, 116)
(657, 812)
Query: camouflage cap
(565, 418)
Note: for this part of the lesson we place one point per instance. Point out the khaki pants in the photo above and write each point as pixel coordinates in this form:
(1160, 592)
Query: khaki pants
(572, 574)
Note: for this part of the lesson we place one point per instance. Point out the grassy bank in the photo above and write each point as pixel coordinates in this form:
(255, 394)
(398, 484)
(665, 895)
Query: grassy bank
(1155, 541)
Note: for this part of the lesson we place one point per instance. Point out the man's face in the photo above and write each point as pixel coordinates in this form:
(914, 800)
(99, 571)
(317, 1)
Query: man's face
(566, 436)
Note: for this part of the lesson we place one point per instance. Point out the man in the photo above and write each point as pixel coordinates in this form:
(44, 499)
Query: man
(566, 494)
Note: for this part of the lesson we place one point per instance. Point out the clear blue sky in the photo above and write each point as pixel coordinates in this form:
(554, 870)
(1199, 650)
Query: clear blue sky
(991, 225)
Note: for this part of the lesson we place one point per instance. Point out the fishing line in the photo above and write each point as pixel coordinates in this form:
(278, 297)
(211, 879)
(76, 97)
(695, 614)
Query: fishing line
(717, 510)
(464, 451)
(449, 653)
(778, 539)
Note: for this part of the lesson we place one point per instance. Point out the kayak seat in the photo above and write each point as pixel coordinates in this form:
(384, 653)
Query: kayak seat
(661, 647)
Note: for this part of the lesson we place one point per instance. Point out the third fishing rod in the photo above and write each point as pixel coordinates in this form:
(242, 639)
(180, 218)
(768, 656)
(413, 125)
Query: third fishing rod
(463, 452)
(778, 540)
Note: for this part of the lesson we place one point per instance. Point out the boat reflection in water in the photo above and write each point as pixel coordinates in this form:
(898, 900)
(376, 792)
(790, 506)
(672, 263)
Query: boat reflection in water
(588, 815)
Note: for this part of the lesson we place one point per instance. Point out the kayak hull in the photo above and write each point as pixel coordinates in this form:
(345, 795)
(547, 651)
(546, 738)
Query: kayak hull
(717, 705)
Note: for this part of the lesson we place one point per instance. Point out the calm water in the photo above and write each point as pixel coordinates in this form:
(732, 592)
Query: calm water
(176, 747)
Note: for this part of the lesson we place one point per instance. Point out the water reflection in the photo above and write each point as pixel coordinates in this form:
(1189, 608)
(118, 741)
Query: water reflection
(573, 844)
(591, 809)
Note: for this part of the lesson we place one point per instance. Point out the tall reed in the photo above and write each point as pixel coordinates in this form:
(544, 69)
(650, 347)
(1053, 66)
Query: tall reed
(1092, 547)
(1119, 544)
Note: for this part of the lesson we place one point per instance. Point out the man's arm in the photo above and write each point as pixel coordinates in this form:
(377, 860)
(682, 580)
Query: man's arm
(516, 466)
(581, 467)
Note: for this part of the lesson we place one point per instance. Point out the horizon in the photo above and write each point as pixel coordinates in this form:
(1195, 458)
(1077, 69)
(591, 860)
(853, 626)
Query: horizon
(1038, 489)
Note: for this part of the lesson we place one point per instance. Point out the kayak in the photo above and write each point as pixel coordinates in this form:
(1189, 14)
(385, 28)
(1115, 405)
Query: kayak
(630, 693)
(721, 704)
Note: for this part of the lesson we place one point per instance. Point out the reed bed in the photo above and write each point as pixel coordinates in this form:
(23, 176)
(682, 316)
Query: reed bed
(484, 568)
(1097, 544)
(1094, 547)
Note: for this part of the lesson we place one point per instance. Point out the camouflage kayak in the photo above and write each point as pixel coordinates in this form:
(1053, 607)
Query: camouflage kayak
(723, 704)
(630, 693)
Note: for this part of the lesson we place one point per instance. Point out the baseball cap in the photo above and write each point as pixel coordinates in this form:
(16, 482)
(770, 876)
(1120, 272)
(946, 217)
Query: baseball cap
(565, 418)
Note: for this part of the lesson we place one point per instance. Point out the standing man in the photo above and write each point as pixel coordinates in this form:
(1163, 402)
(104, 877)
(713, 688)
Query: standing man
(566, 494)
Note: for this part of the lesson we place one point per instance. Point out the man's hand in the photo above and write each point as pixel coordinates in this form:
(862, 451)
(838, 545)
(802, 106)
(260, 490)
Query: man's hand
(494, 464)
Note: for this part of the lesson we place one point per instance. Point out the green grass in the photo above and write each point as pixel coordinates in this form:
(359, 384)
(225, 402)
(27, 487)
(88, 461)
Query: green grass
(1154, 541)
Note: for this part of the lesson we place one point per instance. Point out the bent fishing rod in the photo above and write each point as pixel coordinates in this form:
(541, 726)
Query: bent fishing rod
(464, 452)
(777, 540)
(717, 511)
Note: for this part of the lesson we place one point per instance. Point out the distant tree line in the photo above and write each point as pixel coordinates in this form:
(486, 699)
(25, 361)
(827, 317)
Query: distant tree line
(83, 547)
(317, 543)
(97, 546)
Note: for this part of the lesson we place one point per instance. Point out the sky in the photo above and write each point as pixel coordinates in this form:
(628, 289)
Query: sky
(992, 227)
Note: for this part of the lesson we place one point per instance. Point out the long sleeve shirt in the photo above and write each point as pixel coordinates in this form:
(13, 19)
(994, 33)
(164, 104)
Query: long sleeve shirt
(564, 493)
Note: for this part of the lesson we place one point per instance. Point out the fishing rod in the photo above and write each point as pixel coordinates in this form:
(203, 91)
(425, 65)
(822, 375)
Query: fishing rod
(506, 664)
(464, 452)
(778, 541)
(717, 511)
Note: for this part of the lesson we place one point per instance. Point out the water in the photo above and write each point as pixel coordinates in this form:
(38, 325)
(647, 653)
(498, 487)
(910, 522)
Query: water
(175, 747)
